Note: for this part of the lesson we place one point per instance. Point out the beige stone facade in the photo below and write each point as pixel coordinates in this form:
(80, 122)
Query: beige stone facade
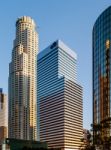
(22, 81)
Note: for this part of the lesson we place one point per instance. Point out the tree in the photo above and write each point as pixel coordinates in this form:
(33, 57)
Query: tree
(87, 143)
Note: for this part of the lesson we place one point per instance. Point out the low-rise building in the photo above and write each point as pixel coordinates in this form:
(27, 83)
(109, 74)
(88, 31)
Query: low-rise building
(3, 116)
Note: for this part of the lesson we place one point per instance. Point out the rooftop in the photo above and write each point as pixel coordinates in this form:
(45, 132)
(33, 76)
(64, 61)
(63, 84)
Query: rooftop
(57, 44)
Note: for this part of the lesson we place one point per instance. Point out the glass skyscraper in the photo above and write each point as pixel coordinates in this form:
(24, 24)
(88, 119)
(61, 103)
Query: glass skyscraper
(102, 79)
(22, 81)
(59, 97)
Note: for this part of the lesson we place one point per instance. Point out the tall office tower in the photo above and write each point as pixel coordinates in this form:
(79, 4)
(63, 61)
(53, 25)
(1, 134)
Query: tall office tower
(3, 116)
(59, 97)
(22, 81)
(102, 79)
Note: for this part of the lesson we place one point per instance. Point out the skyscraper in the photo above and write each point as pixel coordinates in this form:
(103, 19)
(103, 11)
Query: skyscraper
(102, 79)
(3, 116)
(59, 97)
(22, 81)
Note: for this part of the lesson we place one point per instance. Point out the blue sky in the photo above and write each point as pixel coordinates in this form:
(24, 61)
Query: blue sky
(69, 20)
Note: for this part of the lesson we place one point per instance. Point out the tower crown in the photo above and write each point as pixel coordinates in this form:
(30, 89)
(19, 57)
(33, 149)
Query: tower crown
(25, 19)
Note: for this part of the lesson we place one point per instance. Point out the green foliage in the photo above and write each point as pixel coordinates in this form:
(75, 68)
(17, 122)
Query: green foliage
(27, 148)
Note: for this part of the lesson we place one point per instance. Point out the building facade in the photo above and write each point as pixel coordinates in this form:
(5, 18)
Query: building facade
(59, 97)
(102, 79)
(22, 81)
(3, 116)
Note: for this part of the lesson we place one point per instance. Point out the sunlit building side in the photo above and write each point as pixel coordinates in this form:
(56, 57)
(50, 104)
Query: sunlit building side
(22, 81)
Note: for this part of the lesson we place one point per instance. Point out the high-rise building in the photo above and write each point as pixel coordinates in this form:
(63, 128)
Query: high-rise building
(22, 81)
(59, 98)
(102, 79)
(3, 116)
